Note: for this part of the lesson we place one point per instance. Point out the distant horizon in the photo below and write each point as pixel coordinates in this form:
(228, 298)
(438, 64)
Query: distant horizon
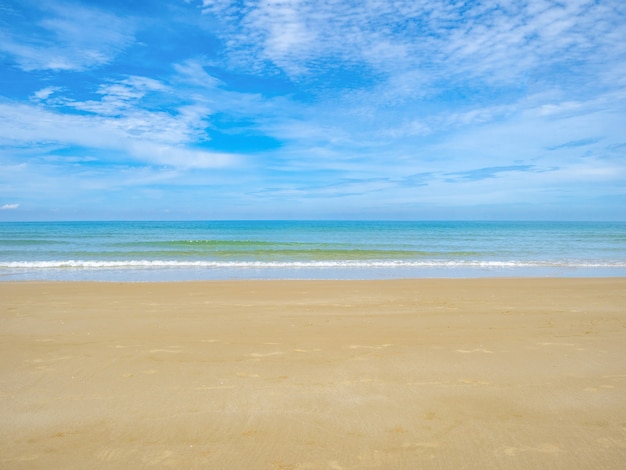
(619, 221)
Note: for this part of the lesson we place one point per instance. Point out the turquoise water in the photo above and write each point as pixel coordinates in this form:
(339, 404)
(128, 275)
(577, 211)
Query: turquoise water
(161, 251)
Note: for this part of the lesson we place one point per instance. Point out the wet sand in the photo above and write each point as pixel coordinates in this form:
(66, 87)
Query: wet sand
(403, 374)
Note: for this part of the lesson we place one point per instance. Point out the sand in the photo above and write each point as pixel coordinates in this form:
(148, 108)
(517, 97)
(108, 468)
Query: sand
(403, 374)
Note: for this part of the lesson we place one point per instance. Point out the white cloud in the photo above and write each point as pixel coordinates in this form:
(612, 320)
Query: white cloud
(45, 93)
(442, 41)
(192, 72)
(68, 37)
(152, 137)
(180, 157)
(414, 127)
(7, 207)
(120, 97)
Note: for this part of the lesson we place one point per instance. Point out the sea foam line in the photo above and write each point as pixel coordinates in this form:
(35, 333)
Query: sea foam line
(130, 264)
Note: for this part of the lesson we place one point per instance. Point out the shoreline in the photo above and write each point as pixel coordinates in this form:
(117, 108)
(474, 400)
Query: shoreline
(212, 281)
(399, 279)
(398, 373)
(308, 274)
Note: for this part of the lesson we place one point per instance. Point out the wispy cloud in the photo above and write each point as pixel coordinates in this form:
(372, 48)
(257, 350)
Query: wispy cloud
(490, 172)
(68, 36)
(118, 97)
(444, 40)
(45, 93)
(153, 137)
(8, 207)
(575, 143)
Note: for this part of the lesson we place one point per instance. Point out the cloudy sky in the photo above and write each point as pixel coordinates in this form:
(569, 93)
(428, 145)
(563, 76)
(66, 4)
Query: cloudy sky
(312, 109)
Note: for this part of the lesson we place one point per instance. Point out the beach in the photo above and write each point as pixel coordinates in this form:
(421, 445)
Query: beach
(484, 373)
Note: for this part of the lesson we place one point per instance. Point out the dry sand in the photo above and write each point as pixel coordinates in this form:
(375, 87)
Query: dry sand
(475, 373)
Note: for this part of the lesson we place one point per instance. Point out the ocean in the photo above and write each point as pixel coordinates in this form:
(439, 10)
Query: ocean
(221, 250)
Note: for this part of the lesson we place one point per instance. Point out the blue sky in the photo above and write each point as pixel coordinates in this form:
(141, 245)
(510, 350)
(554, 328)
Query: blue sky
(302, 109)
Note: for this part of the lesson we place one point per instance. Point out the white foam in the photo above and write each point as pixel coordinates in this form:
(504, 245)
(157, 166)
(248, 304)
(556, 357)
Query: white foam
(334, 264)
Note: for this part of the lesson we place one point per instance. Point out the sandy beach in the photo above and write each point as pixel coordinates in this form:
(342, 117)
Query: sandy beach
(402, 374)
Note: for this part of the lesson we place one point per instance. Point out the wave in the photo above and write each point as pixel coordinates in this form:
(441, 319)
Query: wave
(204, 243)
(328, 264)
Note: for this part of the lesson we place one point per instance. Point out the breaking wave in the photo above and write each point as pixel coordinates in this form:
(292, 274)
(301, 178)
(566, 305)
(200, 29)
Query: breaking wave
(335, 264)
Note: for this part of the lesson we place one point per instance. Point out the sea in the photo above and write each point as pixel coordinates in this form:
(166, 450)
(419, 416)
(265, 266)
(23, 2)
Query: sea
(224, 250)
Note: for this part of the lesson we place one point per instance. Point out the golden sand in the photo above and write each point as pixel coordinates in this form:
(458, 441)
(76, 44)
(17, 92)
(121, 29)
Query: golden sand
(403, 374)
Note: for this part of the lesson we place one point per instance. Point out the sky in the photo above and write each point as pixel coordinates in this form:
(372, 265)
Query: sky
(312, 109)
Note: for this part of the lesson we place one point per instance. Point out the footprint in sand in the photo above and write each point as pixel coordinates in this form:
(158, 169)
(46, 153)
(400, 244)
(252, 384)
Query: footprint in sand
(398, 430)
(47, 360)
(246, 375)
(214, 387)
(160, 458)
(109, 454)
(597, 389)
(543, 448)
(469, 351)
(421, 445)
(473, 382)
(259, 355)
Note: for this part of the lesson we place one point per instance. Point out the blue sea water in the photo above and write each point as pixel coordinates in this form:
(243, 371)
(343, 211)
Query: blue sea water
(167, 251)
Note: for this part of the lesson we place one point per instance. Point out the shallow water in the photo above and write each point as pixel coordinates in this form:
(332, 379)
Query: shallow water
(169, 251)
